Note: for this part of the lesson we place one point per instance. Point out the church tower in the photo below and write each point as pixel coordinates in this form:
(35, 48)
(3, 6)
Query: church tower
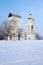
(30, 28)
(14, 24)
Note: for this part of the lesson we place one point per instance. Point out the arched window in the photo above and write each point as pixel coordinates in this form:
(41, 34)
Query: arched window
(32, 27)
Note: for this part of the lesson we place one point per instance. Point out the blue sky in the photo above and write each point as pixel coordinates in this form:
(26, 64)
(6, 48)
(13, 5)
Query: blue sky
(23, 8)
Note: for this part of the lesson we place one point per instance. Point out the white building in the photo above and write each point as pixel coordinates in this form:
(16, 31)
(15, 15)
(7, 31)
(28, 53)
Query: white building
(14, 26)
(30, 28)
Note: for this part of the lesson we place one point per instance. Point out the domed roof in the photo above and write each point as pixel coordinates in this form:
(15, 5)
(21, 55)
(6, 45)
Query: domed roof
(10, 14)
(30, 19)
(30, 16)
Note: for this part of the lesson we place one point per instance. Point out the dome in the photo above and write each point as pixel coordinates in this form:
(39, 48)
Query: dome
(10, 15)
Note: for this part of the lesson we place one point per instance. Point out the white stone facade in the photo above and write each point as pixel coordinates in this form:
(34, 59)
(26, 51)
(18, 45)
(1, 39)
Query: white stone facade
(16, 31)
(30, 28)
(14, 23)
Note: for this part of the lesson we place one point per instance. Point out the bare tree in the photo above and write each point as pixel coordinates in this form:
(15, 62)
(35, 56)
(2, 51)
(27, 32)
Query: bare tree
(19, 33)
(9, 25)
(38, 37)
(7, 28)
(2, 32)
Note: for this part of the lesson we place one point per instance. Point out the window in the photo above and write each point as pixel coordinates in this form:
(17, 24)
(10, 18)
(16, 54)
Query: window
(25, 38)
(29, 38)
(32, 27)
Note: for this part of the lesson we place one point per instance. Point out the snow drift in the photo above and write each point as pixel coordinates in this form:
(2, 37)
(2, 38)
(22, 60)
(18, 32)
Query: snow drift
(21, 52)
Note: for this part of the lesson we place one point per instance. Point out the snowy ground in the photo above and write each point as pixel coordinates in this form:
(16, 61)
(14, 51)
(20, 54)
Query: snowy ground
(21, 52)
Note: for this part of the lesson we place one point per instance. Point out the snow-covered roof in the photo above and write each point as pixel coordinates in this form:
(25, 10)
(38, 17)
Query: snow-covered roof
(11, 14)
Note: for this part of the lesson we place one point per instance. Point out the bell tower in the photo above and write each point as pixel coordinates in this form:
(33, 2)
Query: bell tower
(30, 24)
(30, 28)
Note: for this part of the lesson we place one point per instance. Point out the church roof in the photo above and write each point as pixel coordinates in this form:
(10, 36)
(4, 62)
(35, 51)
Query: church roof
(30, 16)
(11, 14)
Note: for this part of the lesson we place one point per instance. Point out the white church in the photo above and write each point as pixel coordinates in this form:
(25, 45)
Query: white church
(30, 28)
(16, 32)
